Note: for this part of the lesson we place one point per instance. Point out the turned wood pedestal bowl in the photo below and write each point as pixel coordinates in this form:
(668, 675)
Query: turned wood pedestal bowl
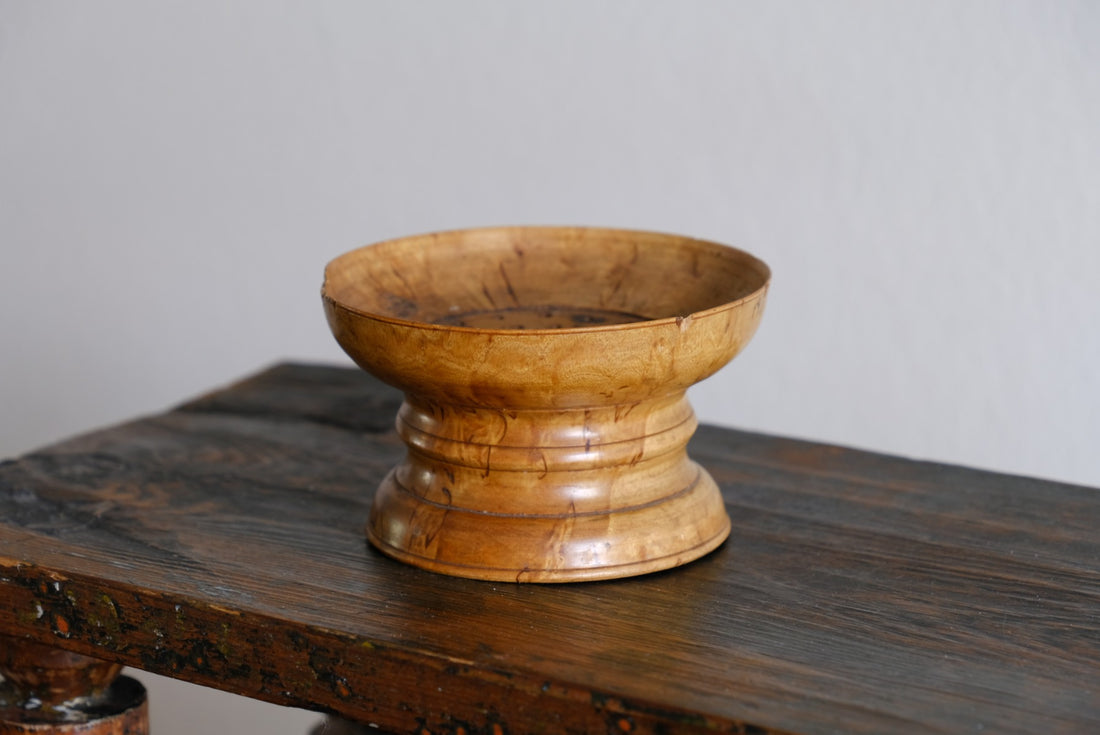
(544, 372)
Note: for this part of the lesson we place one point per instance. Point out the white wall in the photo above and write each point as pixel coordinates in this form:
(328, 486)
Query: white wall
(923, 177)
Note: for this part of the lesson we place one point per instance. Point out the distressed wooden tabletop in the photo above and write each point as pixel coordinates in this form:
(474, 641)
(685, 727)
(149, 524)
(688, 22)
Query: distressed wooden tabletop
(222, 543)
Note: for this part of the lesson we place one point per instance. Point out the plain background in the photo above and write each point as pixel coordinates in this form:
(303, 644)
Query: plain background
(923, 178)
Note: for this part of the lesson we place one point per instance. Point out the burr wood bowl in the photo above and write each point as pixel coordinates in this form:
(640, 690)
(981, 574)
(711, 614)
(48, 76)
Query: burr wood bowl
(545, 372)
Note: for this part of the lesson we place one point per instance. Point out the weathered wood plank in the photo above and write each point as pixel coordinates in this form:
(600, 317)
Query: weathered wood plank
(222, 543)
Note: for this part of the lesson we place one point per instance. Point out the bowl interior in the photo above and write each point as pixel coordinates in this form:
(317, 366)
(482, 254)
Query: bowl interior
(541, 278)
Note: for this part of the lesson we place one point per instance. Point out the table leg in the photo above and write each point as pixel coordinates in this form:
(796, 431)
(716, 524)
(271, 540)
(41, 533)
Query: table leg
(48, 691)
(338, 726)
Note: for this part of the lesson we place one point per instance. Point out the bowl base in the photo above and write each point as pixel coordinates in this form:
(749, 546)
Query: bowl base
(550, 575)
(538, 496)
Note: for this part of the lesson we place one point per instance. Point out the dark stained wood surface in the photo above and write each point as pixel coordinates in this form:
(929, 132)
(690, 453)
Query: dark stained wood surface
(222, 543)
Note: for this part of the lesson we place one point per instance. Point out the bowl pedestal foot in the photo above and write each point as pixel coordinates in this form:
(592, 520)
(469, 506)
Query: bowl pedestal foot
(547, 495)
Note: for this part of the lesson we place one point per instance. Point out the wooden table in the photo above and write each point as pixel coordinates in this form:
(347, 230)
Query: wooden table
(222, 543)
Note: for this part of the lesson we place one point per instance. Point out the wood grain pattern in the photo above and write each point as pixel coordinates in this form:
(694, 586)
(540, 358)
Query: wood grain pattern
(545, 370)
(221, 543)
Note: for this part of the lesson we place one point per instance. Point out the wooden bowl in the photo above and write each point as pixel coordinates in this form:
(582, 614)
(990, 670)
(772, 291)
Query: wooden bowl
(544, 371)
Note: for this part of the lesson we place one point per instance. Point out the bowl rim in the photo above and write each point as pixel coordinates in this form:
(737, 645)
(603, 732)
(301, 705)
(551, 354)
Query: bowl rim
(678, 320)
